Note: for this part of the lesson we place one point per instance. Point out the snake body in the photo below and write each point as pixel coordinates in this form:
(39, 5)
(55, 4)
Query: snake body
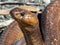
(28, 22)
(25, 33)
(50, 22)
(29, 25)
(11, 34)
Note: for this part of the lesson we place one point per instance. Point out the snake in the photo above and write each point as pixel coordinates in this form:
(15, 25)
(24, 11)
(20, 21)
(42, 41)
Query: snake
(26, 23)
(50, 23)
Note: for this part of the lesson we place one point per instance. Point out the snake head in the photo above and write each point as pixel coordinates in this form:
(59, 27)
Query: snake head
(24, 17)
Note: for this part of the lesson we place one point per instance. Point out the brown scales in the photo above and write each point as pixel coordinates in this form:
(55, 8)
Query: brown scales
(12, 34)
(50, 22)
(30, 29)
(28, 22)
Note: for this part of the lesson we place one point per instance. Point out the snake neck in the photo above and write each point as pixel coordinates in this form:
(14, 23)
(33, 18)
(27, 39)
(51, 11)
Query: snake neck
(32, 35)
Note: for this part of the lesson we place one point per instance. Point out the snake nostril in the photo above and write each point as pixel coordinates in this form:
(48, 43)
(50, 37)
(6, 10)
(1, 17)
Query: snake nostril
(22, 14)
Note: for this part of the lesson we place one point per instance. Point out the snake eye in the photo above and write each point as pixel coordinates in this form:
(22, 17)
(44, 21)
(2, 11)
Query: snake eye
(22, 14)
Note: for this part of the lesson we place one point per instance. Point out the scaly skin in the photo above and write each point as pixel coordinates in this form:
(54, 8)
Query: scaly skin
(29, 25)
(10, 35)
(50, 22)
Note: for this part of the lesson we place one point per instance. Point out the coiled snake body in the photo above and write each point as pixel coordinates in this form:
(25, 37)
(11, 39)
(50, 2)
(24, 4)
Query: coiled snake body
(29, 25)
(50, 22)
(12, 34)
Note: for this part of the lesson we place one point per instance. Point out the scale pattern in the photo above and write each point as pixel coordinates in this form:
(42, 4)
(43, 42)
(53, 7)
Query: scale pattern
(12, 34)
(50, 22)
